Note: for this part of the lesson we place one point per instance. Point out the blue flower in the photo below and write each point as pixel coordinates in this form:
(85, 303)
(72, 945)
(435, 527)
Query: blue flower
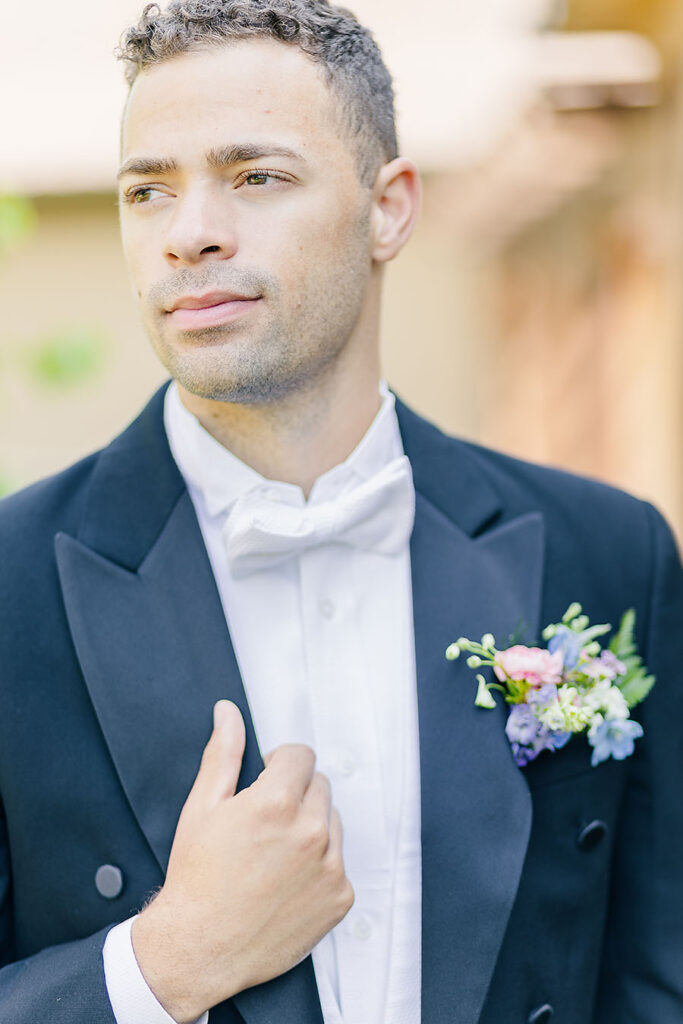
(613, 737)
(523, 755)
(543, 696)
(556, 740)
(569, 643)
(529, 737)
(522, 725)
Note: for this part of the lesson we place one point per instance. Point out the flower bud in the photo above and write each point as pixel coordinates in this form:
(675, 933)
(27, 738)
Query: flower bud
(474, 661)
(549, 632)
(484, 698)
(452, 652)
(571, 612)
(580, 623)
(488, 641)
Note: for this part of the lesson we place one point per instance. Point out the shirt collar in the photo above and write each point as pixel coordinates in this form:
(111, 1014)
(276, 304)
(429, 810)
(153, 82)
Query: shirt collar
(218, 478)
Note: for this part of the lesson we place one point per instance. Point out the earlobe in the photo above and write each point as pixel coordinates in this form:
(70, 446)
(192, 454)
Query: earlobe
(396, 205)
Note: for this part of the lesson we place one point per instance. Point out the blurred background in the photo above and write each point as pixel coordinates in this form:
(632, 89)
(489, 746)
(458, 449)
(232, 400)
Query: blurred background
(537, 310)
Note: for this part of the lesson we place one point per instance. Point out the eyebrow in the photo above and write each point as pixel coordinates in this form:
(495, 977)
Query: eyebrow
(217, 158)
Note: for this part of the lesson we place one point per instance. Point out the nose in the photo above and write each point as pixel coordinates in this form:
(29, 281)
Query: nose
(201, 229)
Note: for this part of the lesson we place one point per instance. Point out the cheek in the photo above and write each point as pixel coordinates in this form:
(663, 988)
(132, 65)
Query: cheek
(138, 256)
(323, 244)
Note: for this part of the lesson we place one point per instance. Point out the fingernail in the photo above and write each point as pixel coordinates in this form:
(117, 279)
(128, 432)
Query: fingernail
(220, 713)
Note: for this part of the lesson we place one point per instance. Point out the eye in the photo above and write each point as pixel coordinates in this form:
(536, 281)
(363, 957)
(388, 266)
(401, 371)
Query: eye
(259, 178)
(140, 194)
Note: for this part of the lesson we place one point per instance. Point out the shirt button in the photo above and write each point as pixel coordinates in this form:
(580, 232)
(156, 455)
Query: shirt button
(362, 929)
(109, 881)
(347, 765)
(327, 609)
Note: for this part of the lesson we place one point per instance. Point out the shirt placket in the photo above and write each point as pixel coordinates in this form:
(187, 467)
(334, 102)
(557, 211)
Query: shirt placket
(348, 752)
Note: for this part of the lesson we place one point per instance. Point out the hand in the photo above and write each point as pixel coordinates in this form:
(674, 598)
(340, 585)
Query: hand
(254, 880)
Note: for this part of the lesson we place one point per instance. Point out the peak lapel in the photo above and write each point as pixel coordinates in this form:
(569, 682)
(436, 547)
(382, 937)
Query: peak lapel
(152, 642)
(476, 807)
(156, 655)
(474, 572)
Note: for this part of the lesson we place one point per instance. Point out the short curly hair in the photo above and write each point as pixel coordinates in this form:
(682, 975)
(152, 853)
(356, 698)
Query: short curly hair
(331, 36)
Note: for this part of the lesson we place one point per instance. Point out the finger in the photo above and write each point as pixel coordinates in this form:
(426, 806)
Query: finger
(222, 757)
(317, 799)
(289, 768)
(336, 843)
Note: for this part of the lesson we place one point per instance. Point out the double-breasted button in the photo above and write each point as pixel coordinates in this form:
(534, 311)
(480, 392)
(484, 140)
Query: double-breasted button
(109, 881)
(541, 1015)
(591, 835)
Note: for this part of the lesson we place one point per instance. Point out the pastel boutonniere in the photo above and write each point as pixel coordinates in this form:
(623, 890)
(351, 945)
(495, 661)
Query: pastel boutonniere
(573, 685)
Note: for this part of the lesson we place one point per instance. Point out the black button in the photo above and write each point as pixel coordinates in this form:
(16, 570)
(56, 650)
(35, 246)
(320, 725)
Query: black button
(109, 881)
(541, 1014)
(592, 835)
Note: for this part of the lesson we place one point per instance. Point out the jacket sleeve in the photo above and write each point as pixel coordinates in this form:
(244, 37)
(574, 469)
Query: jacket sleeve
(642, 973)
(60, 985)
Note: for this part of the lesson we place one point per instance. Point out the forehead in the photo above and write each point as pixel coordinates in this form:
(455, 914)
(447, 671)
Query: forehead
(205, 98)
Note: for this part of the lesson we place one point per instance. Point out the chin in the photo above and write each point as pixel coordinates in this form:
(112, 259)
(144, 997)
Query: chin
(247, 388)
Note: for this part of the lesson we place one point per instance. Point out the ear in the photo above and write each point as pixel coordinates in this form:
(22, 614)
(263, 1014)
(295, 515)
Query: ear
(396, 203)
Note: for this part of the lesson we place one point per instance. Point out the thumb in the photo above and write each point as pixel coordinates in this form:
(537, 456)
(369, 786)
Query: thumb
(222, 757)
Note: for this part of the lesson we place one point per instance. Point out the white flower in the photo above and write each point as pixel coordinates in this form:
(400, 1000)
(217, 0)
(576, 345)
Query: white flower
(596, 698)
(595, 725)
(615, 704)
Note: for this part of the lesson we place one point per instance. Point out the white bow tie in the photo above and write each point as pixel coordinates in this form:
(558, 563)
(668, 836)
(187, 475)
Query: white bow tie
(378, 515)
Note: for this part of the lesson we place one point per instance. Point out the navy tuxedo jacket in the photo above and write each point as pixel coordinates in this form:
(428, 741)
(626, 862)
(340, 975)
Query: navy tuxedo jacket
(557, 886)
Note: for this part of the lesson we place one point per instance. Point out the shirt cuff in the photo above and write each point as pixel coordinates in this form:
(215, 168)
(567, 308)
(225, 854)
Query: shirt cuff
(131, 998)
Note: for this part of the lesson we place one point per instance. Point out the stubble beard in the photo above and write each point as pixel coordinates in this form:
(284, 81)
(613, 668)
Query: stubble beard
(284, 350)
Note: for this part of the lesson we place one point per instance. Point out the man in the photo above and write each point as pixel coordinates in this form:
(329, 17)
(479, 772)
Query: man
(277, 540)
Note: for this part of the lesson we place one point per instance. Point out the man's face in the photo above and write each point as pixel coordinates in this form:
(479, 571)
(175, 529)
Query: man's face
(245, 226)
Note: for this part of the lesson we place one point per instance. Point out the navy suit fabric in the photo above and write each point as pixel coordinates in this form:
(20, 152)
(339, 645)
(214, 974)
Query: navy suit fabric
(113, 649)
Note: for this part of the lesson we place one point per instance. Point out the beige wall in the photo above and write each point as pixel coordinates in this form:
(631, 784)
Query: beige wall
(588, 357)
(69, 275)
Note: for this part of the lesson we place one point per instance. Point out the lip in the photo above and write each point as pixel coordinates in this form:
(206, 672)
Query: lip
(195, 311)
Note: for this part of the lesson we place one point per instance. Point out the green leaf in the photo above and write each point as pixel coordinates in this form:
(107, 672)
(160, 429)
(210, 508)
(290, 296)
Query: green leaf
(5, 485)
(622, 643)
(637, 687)
(18, 219)
(67, 358)
(518, 635)
(635, 683)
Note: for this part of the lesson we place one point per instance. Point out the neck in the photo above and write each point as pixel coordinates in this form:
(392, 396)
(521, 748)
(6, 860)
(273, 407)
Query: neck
(300, 437)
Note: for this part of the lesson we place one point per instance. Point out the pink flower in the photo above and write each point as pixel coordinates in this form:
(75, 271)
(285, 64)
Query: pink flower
(533, 664)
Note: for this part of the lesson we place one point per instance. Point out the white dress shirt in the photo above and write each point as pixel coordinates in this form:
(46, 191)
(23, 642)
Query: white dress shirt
(325, 646)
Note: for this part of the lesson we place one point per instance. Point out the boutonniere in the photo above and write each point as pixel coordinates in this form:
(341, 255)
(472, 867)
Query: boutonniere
(571, 686)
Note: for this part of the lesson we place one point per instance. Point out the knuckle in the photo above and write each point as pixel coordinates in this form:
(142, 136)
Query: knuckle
(336, 875)
(298, 753)
(315, 836)
(347, 897)
(322, 782)
(280, 805)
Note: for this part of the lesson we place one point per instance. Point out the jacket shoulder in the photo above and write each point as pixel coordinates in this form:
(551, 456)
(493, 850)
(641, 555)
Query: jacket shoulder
(602, 544)
(455, 468)
(569, 496)
(30, 518)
